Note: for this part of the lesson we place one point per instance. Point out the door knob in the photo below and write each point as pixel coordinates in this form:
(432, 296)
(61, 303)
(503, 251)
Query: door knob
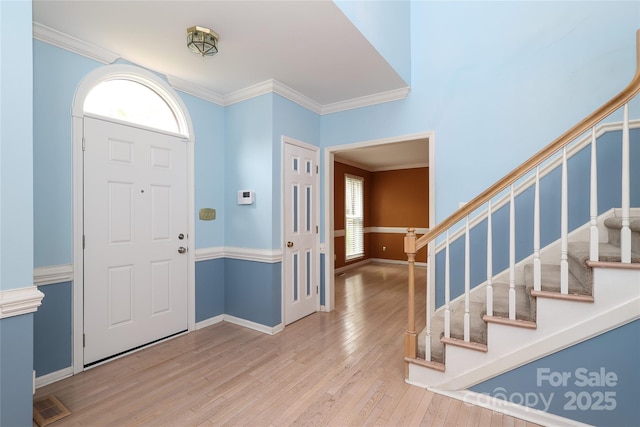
(289, 244)
(181, 236)
(182, 250)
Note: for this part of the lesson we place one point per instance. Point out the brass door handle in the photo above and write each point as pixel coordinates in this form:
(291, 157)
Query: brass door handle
(289, 244)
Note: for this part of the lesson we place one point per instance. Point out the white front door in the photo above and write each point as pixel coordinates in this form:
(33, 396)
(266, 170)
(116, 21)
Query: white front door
(135, 226)
(301, 257)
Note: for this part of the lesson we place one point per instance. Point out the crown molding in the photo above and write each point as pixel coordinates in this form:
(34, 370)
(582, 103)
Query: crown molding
(67, 42)
(249, 92)
(273, 86)
(195, 90)
(15, 302)
(297, 97)
(64, 41)
(366, 101)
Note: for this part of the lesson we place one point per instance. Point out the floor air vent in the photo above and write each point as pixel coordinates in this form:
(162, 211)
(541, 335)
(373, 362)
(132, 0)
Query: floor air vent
(47, 410)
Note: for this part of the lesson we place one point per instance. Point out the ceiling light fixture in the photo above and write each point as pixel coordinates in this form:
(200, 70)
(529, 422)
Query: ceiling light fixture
(202, 40)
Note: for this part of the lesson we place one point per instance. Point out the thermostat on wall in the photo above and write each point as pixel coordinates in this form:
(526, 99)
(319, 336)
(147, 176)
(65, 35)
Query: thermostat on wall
(245, 197)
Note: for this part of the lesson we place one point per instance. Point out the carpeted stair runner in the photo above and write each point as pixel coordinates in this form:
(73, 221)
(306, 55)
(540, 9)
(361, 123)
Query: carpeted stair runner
(580, 284)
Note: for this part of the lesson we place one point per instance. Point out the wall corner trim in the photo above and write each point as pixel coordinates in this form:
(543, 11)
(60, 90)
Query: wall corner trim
(14, 302)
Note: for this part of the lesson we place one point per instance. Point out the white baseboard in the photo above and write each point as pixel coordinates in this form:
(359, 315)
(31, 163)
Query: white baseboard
(210, 321)
(396, 261)
(271, 330)
(350, 266)
(53, 377)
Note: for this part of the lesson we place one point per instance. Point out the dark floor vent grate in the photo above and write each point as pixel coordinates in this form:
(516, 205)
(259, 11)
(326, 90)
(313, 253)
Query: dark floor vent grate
(47, 410)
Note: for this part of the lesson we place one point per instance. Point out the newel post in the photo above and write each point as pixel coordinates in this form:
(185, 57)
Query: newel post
(410, 336)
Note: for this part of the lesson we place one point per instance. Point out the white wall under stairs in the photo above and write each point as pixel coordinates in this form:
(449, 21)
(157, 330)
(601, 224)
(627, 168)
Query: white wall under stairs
(560, 324)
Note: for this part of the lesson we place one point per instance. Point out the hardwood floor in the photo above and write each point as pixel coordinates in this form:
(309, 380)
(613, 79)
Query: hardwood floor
(339, 368)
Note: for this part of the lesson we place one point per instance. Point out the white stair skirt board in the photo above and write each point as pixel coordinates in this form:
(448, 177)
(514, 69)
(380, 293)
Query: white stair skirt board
(511, 409)
(513, 347)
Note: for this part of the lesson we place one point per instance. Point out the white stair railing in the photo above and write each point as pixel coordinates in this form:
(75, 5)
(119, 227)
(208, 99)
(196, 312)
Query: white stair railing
(537, 264)
(564, 227)
(594, 237)
(467, 284)
(489, 262)
(625, 232)
(447, 291)
(512, 255)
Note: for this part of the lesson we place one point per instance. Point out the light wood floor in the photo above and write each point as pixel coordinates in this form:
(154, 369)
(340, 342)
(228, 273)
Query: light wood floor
(339, 368)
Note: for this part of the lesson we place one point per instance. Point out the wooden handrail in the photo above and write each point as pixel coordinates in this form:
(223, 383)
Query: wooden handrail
(588, 122)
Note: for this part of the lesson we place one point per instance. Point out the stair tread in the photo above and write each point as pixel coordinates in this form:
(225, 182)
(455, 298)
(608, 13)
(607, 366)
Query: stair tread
(478, 329)
(615, 223)
(606, 252)
(551, 280)
(525, 310)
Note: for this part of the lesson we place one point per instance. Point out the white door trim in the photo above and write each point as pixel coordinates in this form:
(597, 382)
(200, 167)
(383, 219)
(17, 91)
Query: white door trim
(172, 99)
(329, 285)
(316, 278)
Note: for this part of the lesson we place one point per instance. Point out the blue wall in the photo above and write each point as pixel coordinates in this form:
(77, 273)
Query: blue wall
(386, 25)
(497, 81)
(209, 151)
(609, 155)
(53, 329)
(604, 400)
(16, 207)
(253, 291)
(16, 146)
(210, 289)
(249, 157)
(16, 364)
(57, 74)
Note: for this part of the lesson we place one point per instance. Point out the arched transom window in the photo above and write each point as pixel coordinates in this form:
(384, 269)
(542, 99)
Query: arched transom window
(132, 102)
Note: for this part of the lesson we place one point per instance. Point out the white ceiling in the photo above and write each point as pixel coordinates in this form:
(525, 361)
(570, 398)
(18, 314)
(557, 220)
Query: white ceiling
(310, 47)
(379, 157)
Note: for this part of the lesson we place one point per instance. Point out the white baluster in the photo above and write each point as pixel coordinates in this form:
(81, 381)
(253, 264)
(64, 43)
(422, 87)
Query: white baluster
(427, 340)
(512, 256)
(625, 232)
(447, 291)
(537, 264)
(593, 210)
(467, 280)
(489, 263)
(564, 226)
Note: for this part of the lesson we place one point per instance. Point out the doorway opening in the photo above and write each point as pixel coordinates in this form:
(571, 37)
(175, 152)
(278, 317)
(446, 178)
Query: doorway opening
(376, 159)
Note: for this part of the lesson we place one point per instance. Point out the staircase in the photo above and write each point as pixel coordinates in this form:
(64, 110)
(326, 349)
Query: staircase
(582, 284)
(457, 364)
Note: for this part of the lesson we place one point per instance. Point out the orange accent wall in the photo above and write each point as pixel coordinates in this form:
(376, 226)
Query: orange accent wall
(400, 198)
(397, 198)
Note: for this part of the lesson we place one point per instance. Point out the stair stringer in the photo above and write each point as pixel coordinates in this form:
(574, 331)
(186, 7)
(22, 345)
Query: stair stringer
(616, 302)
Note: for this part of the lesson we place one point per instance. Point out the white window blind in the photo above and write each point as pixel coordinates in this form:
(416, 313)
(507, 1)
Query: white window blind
(354, 216)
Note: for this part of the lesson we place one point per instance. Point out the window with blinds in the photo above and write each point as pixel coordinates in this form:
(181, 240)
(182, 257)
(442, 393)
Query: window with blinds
(354, 216)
